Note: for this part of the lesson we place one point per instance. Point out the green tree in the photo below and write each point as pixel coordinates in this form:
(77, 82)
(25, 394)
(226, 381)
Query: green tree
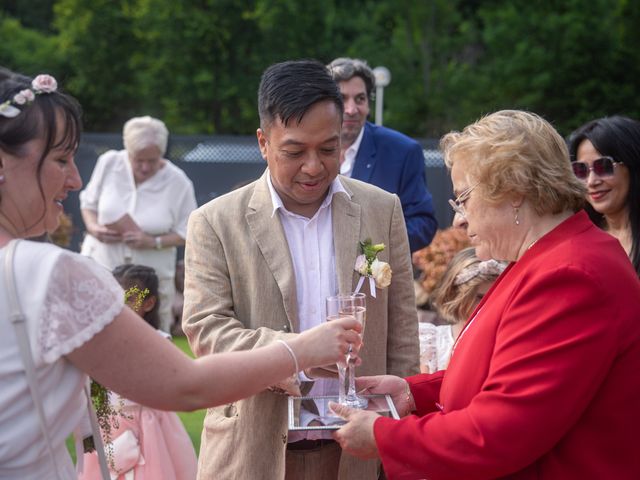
(197, 63)
(97, 38)
(26, 50)
(560, 60)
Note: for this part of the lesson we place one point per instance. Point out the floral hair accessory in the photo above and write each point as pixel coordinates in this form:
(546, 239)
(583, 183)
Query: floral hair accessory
(41, 84)
(368, 266)
(487, 268)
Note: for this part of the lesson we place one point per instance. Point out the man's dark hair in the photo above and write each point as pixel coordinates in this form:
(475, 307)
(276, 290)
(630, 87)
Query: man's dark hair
(344, 69)
(289, 89)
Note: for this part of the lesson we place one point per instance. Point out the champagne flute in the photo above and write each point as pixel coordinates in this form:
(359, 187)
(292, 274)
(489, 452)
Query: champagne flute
(340, 306)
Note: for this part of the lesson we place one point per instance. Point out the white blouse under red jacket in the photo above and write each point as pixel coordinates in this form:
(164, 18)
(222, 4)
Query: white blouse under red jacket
(544, 383)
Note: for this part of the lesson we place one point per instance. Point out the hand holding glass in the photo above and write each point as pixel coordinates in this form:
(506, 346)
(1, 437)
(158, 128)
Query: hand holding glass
(340, 306)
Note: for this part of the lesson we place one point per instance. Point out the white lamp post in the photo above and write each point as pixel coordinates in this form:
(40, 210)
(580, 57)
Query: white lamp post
(383, 78)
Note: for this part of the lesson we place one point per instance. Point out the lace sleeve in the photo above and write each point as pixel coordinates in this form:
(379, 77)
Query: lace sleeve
(81, 299)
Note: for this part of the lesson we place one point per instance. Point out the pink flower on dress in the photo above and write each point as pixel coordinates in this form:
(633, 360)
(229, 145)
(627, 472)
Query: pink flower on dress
(44, 83)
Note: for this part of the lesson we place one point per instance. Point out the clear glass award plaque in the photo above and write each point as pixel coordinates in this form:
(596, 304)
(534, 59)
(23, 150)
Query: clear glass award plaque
(315, 410)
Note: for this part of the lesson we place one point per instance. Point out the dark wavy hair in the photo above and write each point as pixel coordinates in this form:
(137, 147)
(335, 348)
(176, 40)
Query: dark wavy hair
(131, 275)
(619, 138)
(55, 117)
(344, 69)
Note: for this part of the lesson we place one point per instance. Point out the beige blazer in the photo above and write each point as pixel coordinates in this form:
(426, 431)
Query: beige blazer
(240, 293)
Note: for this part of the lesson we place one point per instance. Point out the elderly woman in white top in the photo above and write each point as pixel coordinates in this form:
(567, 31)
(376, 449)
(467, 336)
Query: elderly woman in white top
(136, 206)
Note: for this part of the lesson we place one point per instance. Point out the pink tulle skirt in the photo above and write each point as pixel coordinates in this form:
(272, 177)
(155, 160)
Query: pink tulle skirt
(159, 448)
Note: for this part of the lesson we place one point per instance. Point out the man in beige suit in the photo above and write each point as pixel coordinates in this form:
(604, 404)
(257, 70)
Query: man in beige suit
(260, 262)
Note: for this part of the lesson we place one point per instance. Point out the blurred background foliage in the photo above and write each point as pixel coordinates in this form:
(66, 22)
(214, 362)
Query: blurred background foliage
(197, 63)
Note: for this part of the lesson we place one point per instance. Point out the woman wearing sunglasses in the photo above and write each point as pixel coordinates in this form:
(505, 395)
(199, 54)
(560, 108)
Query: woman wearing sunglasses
(543, 379)
(605, 155)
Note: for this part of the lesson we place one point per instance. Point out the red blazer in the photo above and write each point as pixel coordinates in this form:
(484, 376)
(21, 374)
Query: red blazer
(544, 382)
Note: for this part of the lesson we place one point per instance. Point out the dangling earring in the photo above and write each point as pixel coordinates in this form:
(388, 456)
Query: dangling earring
(1, 178)
(516, 219)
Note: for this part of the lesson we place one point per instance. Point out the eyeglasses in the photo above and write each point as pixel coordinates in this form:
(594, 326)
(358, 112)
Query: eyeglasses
(602, 167)
(458, 203)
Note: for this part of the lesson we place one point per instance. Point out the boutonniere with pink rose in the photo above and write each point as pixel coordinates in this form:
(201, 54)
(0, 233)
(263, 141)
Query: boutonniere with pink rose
(368, 266)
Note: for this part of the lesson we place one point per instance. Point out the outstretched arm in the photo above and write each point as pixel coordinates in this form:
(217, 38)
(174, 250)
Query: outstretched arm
(132, 360)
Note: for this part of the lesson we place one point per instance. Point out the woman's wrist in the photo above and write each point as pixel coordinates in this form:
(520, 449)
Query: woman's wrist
(298, 351)
(294, 360)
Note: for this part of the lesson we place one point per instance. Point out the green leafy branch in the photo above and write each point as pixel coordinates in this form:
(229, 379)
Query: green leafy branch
(107, 413)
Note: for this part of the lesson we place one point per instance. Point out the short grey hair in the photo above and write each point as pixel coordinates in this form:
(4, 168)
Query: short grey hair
(343, 69)
(142, 132)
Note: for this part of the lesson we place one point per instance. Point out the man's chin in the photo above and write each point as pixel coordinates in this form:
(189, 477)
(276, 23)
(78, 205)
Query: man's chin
(349, 136)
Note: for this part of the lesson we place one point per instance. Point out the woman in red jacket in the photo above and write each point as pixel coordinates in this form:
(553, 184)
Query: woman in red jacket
(543, 380)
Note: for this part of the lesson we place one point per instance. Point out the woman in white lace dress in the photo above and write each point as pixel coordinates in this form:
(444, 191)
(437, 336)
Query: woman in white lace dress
(462, 286)
(74, 310)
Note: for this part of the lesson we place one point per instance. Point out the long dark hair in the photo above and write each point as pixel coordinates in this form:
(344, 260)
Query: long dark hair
(55, 117)
(617, 137)
(130, 275)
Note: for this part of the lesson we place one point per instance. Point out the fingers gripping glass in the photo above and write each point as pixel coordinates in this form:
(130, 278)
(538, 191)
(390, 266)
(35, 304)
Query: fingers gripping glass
(602, 167)
(458, 203)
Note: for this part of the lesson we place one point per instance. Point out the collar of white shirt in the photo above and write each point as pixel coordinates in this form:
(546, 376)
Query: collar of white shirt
(335, 187)
(350, 155)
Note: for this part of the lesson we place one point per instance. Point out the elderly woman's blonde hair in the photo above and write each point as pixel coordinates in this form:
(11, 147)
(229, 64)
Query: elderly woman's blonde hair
(454, 299)
(142, 132)
(513, 152)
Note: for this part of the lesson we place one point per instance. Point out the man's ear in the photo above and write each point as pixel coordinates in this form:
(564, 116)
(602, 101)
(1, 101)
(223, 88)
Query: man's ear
(262, 143)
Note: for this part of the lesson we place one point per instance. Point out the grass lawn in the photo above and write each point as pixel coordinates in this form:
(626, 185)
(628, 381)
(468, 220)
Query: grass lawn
(192, 420)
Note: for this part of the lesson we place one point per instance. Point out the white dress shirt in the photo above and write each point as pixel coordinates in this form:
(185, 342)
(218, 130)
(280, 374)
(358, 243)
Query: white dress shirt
(346, 167)
(312, 252)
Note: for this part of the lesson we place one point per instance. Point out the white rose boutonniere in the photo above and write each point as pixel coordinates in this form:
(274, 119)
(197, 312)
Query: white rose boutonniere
(368, 266)
(381, 272)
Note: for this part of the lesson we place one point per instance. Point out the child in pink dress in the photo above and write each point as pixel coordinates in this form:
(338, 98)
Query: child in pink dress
(148, 444)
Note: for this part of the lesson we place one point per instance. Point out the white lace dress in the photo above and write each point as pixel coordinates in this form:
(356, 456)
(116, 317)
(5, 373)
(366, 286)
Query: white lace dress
(436, 342)
(66, 299)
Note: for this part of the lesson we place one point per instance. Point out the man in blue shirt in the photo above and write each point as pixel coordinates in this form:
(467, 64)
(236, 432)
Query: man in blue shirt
(381, 156)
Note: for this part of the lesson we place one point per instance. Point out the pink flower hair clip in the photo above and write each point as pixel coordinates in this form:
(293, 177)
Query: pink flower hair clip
(43, 83)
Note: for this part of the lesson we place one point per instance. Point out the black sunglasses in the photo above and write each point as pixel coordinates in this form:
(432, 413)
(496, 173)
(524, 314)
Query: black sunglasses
(602, 167)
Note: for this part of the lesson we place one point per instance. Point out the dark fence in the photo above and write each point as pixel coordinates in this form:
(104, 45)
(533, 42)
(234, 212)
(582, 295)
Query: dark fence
(218, 164)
